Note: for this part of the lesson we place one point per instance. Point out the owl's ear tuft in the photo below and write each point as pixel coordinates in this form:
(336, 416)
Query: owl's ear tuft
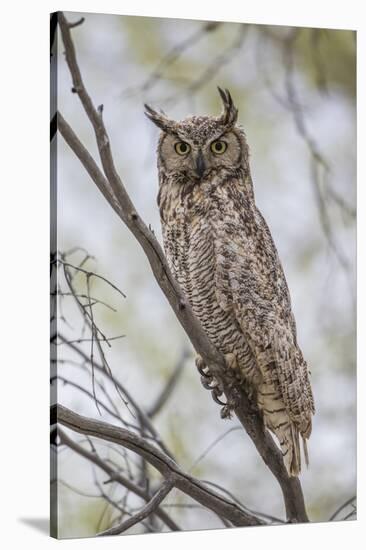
(229, 115)
(160, 119)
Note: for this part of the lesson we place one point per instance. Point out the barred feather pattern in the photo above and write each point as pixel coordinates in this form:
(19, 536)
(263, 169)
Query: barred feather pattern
(222, 254)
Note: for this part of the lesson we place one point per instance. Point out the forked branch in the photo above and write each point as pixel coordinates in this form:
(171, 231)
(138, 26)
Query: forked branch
(114, 475)
(161, 462)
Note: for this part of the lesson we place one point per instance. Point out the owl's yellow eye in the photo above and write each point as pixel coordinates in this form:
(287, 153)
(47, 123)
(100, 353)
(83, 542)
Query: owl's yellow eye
(218, 147)
(182, 148)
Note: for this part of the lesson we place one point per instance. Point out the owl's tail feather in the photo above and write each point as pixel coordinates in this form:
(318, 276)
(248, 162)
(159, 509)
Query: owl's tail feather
(277, 420)
(286, 430)
(295, 465)
(305, 448)
(291, 450)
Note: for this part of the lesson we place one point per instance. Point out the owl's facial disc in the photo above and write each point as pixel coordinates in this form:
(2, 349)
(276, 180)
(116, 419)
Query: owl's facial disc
(196, 157)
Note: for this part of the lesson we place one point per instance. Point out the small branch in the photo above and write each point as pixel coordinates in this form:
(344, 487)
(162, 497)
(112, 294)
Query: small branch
(95, 301)
(272, 519)
(172, 56)
(76, 23)
(320, 168)
(352, 514)
(212, 445)
(142, 417)
(87, 314)
(161, 462)
(114, 476)
(220, 61)
(149, 508)
(81, 340)
(92, 396)
(342, 507)
(223, 58)
(90, 274)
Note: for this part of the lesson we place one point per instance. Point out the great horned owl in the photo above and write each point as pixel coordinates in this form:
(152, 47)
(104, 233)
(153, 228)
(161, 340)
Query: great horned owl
(221, 252)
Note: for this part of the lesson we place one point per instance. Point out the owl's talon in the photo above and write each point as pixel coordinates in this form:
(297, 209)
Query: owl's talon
(209, 382)
(206, 382)
(201, 366)
(215, 397)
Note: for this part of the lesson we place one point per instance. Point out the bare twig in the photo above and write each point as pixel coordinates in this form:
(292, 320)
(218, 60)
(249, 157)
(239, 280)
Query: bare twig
(88, 316)
(144, 512)
(222, 59)
(140, 414)
(76, 490)
(320, 168)
(90, 274)
(172, 56)
(89, 394)
(77, 23)
(81, 340)
(212, 445)
(121, 508)
(94, 300)
(115, 476)
(115, 192)
(235, 499)
(342, 507)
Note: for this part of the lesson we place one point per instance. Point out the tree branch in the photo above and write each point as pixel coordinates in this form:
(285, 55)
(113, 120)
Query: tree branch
(114, 191)
(160, 461)
(172, 56)
(114, 475)
(149, 508)
(342, 507)
(223, 58)
(141, 415)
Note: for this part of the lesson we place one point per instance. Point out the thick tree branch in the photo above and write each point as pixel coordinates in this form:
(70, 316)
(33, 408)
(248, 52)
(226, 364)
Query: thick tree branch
(116, 194)
(161, 462)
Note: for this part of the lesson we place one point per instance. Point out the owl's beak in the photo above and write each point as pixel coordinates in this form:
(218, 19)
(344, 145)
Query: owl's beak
(200, 164)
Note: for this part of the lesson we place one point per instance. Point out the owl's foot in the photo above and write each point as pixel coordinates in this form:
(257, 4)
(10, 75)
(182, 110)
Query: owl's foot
(233, 376)
(208, 381)
(230, 406)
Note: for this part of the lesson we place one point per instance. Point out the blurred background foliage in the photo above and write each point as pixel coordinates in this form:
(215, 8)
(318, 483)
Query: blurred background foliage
(295, 89)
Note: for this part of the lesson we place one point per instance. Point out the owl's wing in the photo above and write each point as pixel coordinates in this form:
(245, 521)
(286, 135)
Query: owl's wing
(251, 283)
